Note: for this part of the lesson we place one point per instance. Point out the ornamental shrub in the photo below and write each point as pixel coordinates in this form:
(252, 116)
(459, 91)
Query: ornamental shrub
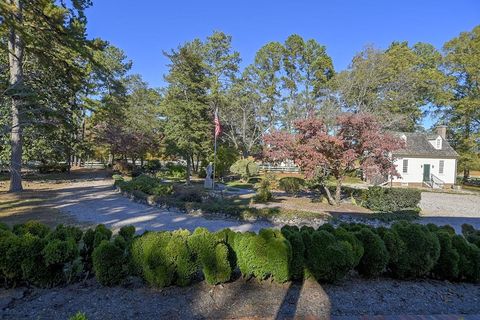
(150, 259)
(293, 235)
(127, 232)
(421, 254)
(291, 184)
(62, 232)
(327, 259)
(447, 263)
(472, 235)
(391, 199)
(395, 246)
(163, 258)
(265, 255)
(62, 260)
(162, 190)
(263, 193)
(33, 227)
(357, 246)
(212, 255)
(469, 259)
(375, 258)
(109, 263)
(92, 239)
(245, 168)
(11, 257)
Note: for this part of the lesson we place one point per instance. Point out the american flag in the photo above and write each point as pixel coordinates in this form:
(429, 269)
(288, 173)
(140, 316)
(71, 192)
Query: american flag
(218, 127)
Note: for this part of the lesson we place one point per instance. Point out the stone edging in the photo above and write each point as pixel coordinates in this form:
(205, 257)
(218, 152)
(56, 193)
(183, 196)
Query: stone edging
(224, 216)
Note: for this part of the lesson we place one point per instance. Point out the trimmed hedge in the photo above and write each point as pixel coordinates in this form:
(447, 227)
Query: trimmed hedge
(32, 253)
(391, 199)
(291, 184)
(267, 254)
(146, 185)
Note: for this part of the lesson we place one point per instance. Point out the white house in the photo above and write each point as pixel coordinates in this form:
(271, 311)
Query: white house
(427, 160)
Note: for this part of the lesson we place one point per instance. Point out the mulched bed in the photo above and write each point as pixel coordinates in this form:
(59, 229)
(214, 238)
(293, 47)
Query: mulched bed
(243, 299)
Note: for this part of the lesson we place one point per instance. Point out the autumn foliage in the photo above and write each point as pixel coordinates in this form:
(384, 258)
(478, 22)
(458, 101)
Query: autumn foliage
(355, 141)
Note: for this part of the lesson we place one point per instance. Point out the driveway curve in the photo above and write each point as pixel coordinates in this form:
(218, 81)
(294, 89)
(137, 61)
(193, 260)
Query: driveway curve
(96, 202)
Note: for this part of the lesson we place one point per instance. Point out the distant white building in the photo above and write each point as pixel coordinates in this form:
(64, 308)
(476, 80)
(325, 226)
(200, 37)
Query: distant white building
(428, 160)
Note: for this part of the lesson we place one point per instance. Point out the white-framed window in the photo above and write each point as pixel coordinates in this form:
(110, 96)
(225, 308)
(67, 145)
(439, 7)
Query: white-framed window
(441, 166)
(405, 166)
(439, 143)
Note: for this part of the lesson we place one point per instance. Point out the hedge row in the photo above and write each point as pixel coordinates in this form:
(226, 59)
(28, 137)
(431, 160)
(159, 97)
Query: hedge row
(32, 253)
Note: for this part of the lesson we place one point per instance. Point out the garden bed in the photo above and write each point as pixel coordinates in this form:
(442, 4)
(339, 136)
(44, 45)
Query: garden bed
(353, 296)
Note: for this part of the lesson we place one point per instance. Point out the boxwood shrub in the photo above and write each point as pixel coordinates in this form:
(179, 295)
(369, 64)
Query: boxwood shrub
(33, 254)
(327, 259)
(375, 258)
(391, 199)
(265, 255)
(212, 255)
(422, 250)
(291, 184)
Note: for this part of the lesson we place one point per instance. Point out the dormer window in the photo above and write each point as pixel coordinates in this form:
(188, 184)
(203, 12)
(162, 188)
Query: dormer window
(438, 145)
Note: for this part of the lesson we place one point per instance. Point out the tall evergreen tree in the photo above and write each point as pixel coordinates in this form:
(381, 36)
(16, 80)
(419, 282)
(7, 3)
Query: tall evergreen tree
(188, 122)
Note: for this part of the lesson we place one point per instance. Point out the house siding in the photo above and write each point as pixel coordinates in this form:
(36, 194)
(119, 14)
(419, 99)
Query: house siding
(414, 174)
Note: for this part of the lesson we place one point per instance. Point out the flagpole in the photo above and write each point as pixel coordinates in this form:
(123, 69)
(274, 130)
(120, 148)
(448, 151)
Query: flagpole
(214, 162)
(215, 151)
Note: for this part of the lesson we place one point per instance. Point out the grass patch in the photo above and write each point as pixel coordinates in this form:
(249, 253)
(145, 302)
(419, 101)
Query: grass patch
(240, 184)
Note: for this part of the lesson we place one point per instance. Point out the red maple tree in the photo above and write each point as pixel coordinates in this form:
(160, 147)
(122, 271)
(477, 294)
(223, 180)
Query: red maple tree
(355, 141)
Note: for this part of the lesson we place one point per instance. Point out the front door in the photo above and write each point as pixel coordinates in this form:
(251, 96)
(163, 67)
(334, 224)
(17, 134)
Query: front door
(426, 172)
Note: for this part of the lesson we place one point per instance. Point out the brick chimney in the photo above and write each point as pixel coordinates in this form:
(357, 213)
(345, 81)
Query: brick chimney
(442, 131)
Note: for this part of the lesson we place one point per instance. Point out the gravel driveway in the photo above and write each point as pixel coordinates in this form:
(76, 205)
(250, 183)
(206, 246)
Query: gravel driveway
(96, 202)
(452, 209)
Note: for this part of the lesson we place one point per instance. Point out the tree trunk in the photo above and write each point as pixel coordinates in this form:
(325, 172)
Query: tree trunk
(15, 57)
(466, 174)
(338, 191)
(189, 169)
(331, 201)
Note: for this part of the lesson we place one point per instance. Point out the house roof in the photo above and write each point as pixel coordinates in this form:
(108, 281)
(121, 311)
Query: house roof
(418, 145)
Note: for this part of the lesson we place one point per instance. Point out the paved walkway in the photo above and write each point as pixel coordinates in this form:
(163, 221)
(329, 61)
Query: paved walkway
(97, 202)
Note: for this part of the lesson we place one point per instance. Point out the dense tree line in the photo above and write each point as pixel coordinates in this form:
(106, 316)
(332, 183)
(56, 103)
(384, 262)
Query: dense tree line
(69, 98)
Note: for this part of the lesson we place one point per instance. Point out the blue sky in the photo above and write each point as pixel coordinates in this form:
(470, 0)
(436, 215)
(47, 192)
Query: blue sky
(144, 28)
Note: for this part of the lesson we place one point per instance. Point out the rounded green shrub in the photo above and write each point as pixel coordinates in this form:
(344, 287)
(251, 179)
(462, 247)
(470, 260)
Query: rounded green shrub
(245, 168)
(469, 259)
(127, 232)
(109, 263)
(212, 255)
(267, 254)
(375, 257)
(101, 233)
(357, 246)
(472, 235)
(447, 263)
(327, 259)
(58, 252)
(62, 232)
(421, 254)
(163, 258)
(33, 227)
(293, 235)
(395, 246)
(291, 184)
